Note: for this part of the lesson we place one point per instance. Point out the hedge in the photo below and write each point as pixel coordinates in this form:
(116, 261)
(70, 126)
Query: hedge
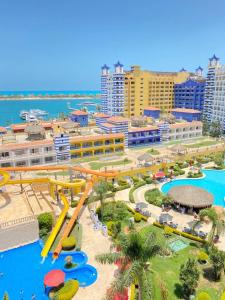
(203, 296)
(68, 290)
(144, 218)
(136, 186)
(121, 187)
(184, 234)
(137, 217)
(78, 232)
(223, 296)
(69, 243)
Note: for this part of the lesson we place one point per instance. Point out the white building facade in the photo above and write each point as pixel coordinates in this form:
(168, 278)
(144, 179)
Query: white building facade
(112, 90)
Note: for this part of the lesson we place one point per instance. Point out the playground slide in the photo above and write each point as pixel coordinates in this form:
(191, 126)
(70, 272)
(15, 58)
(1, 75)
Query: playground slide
(57, 227)
(74, 217)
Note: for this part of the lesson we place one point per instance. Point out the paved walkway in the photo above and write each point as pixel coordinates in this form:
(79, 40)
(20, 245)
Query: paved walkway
(181, 219)
(94, 243)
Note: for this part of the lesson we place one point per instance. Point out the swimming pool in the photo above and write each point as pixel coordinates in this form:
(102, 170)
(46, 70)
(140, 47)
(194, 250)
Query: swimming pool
(213, 182)
(21, 269)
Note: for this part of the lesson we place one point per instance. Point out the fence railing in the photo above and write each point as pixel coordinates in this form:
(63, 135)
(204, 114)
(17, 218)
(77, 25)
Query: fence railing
(18, 221)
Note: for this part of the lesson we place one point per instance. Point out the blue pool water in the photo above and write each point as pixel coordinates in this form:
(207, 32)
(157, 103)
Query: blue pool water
(10, 110)
(213, 182)
(21, 269)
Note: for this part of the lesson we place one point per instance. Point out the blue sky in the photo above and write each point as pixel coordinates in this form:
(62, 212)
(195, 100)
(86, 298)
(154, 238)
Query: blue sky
(61, 44)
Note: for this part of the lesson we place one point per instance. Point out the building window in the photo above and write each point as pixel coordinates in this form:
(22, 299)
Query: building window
(5, 154)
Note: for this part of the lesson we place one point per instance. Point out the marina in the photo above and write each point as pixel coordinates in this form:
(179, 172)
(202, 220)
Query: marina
(11, 110)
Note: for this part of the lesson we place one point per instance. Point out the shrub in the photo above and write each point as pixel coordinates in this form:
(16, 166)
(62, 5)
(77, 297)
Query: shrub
(203, 296)
(223, 296)
(135, 179)
(43, 233)
(137, 217)
(74, 203)
(154, 197)
(168, 230)
(114, 228)
(78, 232)
(45, 220)
(148, 180)
(122, 182)
(69, 243)
(144, 218)
(203, 257)
(113, 211)
(68, 290)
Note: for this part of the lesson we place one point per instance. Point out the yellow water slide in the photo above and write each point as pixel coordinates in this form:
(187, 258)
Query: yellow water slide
(57, 227)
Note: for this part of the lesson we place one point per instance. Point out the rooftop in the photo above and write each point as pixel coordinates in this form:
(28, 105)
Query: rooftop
(117, 119)
(185, 124)
(186, 110)
(96, 137)
(147, 128)
(101, 115)
(108, 125)
(191, 196)
(79, 113)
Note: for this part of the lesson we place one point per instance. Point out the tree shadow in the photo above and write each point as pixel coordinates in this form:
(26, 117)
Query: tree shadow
(208, 273)
(178, 291)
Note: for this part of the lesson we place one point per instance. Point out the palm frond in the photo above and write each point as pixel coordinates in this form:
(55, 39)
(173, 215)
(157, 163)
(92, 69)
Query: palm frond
(108, 258)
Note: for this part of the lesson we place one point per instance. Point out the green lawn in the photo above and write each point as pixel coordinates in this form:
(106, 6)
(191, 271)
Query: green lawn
(202, 144)
(153, 151)
(166, 269)
(99, 165)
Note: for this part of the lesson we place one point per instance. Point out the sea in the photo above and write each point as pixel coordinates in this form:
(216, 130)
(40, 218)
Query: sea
(10, 109)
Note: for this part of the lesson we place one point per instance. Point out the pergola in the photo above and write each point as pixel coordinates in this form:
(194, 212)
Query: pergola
(191, 196)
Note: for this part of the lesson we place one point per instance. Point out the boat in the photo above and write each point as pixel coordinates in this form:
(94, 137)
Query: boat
(23, 114)
(38, 112)
(31, 118)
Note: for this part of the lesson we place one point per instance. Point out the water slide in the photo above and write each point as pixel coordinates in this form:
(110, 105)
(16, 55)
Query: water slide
(57, 227)
(73, 219)
(79, 182)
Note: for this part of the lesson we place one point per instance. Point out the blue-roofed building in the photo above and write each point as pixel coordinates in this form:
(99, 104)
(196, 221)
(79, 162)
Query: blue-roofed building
(189, 94)
(186, 114)
(79, 116)
(152, 112)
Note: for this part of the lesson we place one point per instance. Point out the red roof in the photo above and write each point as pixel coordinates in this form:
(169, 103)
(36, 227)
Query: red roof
(3, 129)
(79, 113)
(101, 115)
(186, 110)
(117, 119)
(54, 278)
(160, 174)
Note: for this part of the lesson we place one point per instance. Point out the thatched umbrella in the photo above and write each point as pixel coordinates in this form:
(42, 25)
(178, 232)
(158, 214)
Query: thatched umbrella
(178, 148)
(35, 131)
(145, 157)
(191, 196)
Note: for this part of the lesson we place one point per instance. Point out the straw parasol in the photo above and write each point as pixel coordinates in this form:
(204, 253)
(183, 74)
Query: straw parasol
(35, 131)
(191, 196)
(178, 148)
(145, 157)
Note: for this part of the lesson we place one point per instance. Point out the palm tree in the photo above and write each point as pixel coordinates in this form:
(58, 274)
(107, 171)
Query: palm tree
(218, 224)
(101, 188)
(134, 254)
(6, 296)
